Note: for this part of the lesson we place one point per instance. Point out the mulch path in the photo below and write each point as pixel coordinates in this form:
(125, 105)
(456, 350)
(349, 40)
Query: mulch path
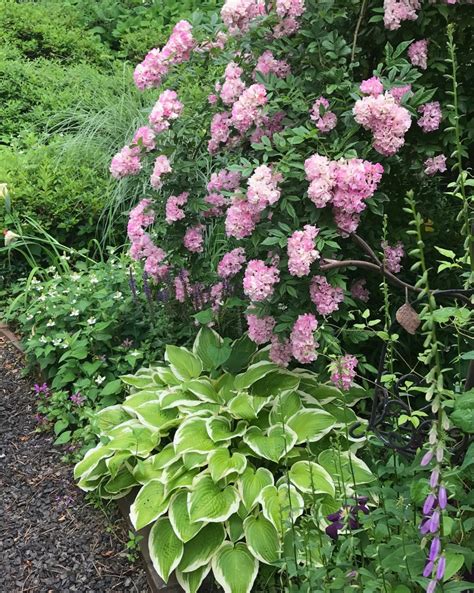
(51, 540)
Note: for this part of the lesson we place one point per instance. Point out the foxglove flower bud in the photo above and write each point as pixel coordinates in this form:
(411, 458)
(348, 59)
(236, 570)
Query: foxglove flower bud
(427, 457)
(442, 498)
(441, 568)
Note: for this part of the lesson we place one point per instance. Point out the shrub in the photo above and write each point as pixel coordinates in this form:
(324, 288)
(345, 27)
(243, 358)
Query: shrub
(220, 442)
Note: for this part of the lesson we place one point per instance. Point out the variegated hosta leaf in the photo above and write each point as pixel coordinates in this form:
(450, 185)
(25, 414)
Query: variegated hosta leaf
(115, 462)
(245, 406)
(219, 428)
(184, 364)
(311, 424)
(251, 484)
(149, 504)
(312, 478)
(179, 517)
(235, 527)
(347, 467)
(110, 417)
(121, 483)
(141, 380)
(134, 437)
(192, 436)
(253, 374)
(211, 503)
(166, 549)
(271, 444)
(210, 348)
(177, 397)
(284, 407)
(235, 568)
(204, 389)
(342, 414)
(191, 581)
(275, 383)
(199, 551)
(319, 392)
(262, 539)
(222, 463)
(132, 402)
(281, 506)
(194, 460)
(152, 467)
(153, 416)
(182, 479)
(91, 480)
(91, 459)
(166, 376)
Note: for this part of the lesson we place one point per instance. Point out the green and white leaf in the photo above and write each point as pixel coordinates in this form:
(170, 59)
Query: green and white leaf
(199, 551)
(235, 568)
(192, 436)
(262, 539)
(253, 374)
(311, 425)
(211, 503)
(175, 397)
(204, 389)
(246, 407)
(91, 459)
(134, 401)
(153, 416)
(275, 383)
(166, 549)
(285, 407)
(179, 517)
(312, 478)
(150, 503)
(184, 364)
(251, 484)
(222, 463)
(271, 444)
(219, 428)
(339, 464)
(110, 417)
(281, 506)
(134, 437)
(191, 581)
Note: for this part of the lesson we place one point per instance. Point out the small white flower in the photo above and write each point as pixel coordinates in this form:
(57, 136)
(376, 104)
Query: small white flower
(10, 236)
(117, 296)
(66, 291)
(75, 276)
(42, 298)
(43, 340)
(99, 379)
(65, 257)
(91, 320)
(51, 270)
(135, 353)
(29, 317)
(35, 281)
(57, 342)
(74, 313)
(64, 345)
(74, 301)
(93, 280)
(50, 323)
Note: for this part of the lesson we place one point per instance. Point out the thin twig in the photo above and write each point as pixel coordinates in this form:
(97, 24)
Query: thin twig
(356, 32)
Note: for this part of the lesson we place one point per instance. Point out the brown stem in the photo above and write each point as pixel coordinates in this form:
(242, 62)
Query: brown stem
(356, 32)
(367, 248)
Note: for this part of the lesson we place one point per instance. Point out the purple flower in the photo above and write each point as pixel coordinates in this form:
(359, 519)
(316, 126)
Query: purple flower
(39, 389)
(429, 503)
(431, 587)
(427, 457)
(351, 513)
(434, 549)
(442, 497)
(428, 569)
(434, 478)
(77, 398)
(441, 568)
(425, 527)
(434, 522)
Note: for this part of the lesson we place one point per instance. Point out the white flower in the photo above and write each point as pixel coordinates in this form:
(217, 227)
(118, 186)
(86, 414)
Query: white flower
(117, 296)
(10, 236)
(43, 340)
(64, 345)
(29, 317)
(135, 353)
(91, 320)
(65, 257)
(35, 281)
(66, 291)
(50, 323)
(75, 276)
(99, 379)
(57, 342)
(93, 280)
(3, 190)
(74, 313)
(42, 298)
(74, 301)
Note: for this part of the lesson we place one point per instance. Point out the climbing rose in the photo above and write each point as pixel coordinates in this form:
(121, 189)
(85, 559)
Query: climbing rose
(231, 263)
(301, 251)
(399, 92)
(418, 53)
(246, 110)
(371, 86)
(259, 280)
(193, 239)
(220, 131)
(233, 85)
(238, 14)
(173, 207)
(324, 296)
(263, 188)
(303, 344)
(359, 291)
(343, 371)
(182, 286)
(435, 164)
(430, 116)
(241, 218)
(396, 11)
(126, 162)
(280, 352)
(325, 120)
(167, 108)
(162, 166)
(393, 256)
(260, 328)
(268, 64)
(144, 138)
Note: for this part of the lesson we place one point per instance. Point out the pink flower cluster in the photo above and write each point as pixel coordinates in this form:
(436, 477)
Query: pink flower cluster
(221, 125)
(233, 85)
(160, 168)
(268, 64)
(324, 296)
(301, 251)
(144, 138)
(241, 218)
(193, 239)
(260, 328)
(431, 116)
(222, 181)
(384, 117)
(399, 92)
(238, 14)
(280, 352)
(173, 207)
(303, 343)
(393, 256)
(289, 12)
(167, 108)
(267, 126)
(396, 11)
(344, 183)
(435, 164)
(418, 53)
(325, 121)
(155, 66)
(246, 110)
(344, 371)
(259, 280)
(359, 291)
(142, 245)
(371, 86)
(126, 162)
(182, 286)
(231, 263)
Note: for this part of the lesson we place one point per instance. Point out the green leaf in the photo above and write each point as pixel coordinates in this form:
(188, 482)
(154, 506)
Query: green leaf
(339, 464)
(204, 389)
(166, 549)
(149, 504)
(454, 563)
(242, 351)
(251, 484)
(245, 406)
(463, 415)
(192, 436)
(210, 348)
(281, 506)
(199, 551)
(222, 463)
(446, 252)
(184, 364)
(110, 417)
(262, 539)
(285, 406)
(112, 388)
(219, 428)
(90, 461)
(235, 568)
(311, 425)
(210, 502)
(152, 416)
(275, 383)
(253, 374)
(272, 444)
(179, 517)
(311, 478)
(192, 581)
(64, 438)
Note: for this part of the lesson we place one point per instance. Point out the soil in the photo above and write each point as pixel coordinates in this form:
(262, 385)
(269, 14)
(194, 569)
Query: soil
(51, 539)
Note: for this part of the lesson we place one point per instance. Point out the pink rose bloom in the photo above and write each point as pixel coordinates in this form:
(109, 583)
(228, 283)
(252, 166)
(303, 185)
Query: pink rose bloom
(167, 108)
(259, 280)
(144, 138)
(263, 190)
(220, 131)
(182, 286)
(303, 345)
(260, 328)
(431, 116)
(268, 64)
(241, 219)
(193, 239)
(436, 164)
(280, 352)
(325, 120)
(161, 167)
(231, 263)
(393, 256)
(418, 53)
(238, 14)
(399, 92)
(246, 110)
(343, 371)
(320, 171)
(396, 11)
(359, 291)
(372, 86)
(126, 162)
(301, 251)
(324, 296)
(173, 207)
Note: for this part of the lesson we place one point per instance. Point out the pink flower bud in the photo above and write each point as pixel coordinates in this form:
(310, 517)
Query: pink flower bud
(427, 457)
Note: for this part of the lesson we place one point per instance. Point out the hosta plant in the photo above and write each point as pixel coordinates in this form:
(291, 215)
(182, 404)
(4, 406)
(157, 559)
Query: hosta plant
(227, 452)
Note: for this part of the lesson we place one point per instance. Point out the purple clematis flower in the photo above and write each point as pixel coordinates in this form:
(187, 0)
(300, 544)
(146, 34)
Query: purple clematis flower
(346, 517)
